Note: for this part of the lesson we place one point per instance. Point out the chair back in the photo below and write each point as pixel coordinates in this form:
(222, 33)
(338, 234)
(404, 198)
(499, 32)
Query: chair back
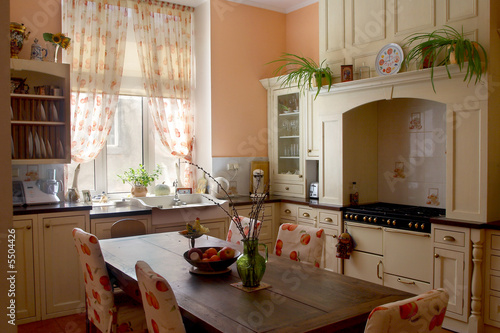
(162, 312)
(127, 227)
(99, 296)
(234, 235)
(422, 313)
(300, 243)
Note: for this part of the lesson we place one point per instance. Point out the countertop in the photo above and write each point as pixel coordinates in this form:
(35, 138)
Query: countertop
(50, 208)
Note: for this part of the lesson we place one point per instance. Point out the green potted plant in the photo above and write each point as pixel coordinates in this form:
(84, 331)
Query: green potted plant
(304, 72)
(140, 179)
(445, 46)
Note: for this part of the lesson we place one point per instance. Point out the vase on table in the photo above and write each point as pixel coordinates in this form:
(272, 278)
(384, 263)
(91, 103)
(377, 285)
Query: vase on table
(251, 265)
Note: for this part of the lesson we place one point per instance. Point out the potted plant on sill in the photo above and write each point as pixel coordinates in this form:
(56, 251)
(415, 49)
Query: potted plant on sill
(304, 72)
(447, 46)
(140, 179)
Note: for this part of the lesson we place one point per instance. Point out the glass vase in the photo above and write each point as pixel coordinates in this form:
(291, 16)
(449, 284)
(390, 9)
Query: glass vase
(251, 265)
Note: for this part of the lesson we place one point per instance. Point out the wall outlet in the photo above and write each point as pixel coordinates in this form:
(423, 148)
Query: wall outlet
(230, 166)
(236, 166)
(15, 172)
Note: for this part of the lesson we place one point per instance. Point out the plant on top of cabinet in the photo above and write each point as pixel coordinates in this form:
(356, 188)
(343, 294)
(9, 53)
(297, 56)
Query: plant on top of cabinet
(447, 46)
(140, 178)
(304, 72)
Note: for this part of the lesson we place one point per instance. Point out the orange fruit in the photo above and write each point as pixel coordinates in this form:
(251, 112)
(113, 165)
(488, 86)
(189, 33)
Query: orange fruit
(215, 258)
(211, 252)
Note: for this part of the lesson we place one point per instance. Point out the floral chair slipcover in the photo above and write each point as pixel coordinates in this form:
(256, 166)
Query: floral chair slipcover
(300, 243)
(234, 235)
(422, 313)
(162, 312)
(108, 311)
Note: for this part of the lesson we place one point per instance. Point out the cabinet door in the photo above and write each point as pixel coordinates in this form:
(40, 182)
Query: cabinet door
(330, 166)
(449, 274)
(330, 261)
(313, 129)
(101, 228)
(217, 228)
(365, 266)
(61, 271)
(27, 300)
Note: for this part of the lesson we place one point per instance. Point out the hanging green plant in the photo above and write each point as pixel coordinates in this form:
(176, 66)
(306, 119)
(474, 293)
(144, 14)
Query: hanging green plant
(441, 47)
(304, 72)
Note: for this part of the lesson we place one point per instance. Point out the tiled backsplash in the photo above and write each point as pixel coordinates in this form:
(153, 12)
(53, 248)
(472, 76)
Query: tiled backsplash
(412, 152)
(242, 177)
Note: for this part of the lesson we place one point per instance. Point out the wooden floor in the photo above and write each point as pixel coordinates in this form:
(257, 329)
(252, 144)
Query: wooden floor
(69, 324)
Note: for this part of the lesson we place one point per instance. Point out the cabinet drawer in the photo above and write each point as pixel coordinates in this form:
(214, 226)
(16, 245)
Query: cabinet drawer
(495, 263)
(328, 219)
(404, 284)
(495, 283)
(495, 242)
(288, 189)
(288, 210)
(494, 314)
(245, 211)
(306, 213)
(449, 237)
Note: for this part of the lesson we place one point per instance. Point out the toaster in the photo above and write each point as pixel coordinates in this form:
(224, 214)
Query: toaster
(314, 190)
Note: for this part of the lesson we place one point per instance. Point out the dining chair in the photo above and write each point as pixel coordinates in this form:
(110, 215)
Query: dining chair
(421, 313)
(162, 312)
(300, 243)
(108, 311)
(127, 227)
(234, 235)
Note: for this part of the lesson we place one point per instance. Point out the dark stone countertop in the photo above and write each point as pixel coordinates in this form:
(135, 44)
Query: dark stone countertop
(50, 208)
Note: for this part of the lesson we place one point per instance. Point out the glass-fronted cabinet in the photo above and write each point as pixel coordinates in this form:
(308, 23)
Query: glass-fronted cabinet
(286, 110)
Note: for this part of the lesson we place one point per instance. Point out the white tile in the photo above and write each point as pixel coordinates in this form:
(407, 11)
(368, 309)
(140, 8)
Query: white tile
(417, 147)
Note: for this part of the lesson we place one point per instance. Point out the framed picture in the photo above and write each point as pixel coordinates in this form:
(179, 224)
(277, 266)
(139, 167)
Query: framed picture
(346, 72)
(184, 190)
(86, 196)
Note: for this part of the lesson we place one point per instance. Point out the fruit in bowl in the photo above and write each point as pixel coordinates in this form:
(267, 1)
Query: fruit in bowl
(212, 259)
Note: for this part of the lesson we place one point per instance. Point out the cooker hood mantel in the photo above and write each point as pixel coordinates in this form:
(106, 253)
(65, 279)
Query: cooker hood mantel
(468, 127)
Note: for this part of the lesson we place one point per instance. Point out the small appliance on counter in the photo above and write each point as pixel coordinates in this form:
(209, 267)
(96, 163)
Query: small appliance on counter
(42, 191)
(33, 195)
(314, 190)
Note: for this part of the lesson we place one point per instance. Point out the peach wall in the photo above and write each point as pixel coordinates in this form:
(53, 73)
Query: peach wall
(302, 32)
(244, 39)
(38, 16)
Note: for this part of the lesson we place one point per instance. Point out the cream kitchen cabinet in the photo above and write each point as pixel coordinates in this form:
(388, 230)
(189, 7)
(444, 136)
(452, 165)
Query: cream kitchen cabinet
(218, 227)
(49, 257)
(27, 287)
(451, 268)
(492, 285)
(286, 117)
(101, 227)
(313, 129)
(40, 122)
(269, 227)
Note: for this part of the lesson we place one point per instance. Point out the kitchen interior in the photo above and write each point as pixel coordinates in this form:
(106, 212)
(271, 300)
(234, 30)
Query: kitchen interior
(424, 164)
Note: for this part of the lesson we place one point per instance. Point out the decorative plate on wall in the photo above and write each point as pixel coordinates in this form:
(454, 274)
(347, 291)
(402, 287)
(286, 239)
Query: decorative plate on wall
(389, 59)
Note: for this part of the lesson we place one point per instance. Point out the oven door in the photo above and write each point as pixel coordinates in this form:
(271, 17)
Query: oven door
(408, 255)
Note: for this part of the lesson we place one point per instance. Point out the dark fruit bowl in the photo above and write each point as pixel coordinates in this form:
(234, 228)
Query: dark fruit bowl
(212, 266)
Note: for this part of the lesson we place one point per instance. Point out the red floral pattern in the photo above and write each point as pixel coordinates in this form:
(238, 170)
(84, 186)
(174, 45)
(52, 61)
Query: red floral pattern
(422, 313)
(101, 307)
(234, 235)
(300, 243)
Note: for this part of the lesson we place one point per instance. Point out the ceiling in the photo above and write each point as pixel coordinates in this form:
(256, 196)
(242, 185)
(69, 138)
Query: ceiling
(282, 6)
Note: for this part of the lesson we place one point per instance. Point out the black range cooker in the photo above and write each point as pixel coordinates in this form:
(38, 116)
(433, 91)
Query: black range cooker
(406, 217)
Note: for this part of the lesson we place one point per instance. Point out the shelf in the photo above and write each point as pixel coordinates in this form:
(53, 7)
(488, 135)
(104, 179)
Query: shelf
(289, 114)
(37, 123)
(289, 157)
(31, 96)
(39, 161)
(290, 137)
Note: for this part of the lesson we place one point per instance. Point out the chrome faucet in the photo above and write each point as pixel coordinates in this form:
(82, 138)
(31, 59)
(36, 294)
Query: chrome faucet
(177, 201)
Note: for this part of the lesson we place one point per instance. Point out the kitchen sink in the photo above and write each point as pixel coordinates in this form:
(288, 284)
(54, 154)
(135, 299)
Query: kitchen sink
(190, 206)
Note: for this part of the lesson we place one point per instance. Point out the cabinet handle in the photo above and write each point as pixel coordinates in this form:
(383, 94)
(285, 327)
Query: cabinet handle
(406, 282)
(436, 255)
(28, 227)
(288, 211)
(47, 225)
(300, 176)
(328, 219)
(449, 238)
(334, 236)
(378, 269)
(306, 215)
(287, 188)
(309, 150)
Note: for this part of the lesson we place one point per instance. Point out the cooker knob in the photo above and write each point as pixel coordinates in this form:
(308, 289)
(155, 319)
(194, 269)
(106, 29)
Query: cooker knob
(350, 216)
(346, 216)
(370, 219)
(356, 217)
(393, 222)
(416, 225)
(364, 218)
(410, 225)
(374, 220)
(388, 222)
(422, 226)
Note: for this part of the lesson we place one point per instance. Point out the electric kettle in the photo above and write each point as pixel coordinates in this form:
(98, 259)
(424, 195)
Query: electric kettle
(217, 190)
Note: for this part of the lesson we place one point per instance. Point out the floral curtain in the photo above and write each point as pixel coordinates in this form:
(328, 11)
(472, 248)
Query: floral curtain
(98, 30)
(163, 33)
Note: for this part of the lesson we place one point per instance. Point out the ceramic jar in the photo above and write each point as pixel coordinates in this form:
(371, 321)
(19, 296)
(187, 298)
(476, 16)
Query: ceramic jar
(17, 36)
(139, 191)
(37, 51)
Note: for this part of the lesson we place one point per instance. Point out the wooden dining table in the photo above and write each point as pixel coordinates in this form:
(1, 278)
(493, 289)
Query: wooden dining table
(301, 298)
